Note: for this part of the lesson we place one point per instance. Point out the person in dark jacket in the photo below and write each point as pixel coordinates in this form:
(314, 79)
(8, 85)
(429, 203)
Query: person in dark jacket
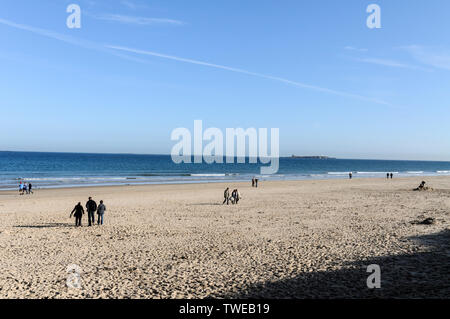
(79, 211)
(91, 207)
(237, 196)
(226, 195)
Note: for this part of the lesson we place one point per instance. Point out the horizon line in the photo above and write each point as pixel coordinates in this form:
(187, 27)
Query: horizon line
(284, 156)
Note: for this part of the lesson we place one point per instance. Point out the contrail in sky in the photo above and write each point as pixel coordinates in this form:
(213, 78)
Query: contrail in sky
(232, 69)
(112, 49)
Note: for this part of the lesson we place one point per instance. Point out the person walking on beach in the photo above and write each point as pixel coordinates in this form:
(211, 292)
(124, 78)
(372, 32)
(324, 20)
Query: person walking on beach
(226, 195)
(350, 175)
(392, 176)
(387, 175)
(29, 188)
(91, 207)
(100, 212)
(256, 182)
(237, 196)
(21, 188)
(25, 188)
(233, 197)
(79, 211)
(253, 182)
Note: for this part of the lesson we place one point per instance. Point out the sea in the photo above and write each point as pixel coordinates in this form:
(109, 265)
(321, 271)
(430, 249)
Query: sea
(57, 170)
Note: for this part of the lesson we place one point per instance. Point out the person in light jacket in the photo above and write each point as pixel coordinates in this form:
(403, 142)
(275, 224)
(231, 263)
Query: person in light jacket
(101, 212)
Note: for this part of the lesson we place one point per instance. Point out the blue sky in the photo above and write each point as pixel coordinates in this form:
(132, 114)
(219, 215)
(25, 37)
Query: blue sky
(138, 69)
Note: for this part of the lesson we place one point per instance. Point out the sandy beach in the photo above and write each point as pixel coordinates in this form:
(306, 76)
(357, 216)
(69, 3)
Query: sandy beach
(290, 239)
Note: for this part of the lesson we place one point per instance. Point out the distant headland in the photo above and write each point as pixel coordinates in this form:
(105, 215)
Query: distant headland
(313, 157)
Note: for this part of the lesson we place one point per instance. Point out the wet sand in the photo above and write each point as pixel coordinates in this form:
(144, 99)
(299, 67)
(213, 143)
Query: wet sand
(289, 239)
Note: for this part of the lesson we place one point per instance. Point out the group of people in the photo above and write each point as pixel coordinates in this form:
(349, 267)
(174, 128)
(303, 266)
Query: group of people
(234, 198)
(91, 208)
(254, 182)
(25, 188)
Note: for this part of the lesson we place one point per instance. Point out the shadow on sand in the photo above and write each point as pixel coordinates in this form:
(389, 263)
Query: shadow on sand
(418, 275)
(47, 225)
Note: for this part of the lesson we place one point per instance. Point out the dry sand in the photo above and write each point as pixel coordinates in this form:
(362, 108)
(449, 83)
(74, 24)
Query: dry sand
(299, 239)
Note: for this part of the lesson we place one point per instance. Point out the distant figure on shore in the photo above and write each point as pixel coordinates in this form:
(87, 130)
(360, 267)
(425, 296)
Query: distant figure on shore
(253, 182)
(25, 188)
(21, 188)
(100, 212)
(226, 195)
(91, 207)
(79, 211)
(350, 175)
(30, 188)
(256, 182)
(392, 176)
(387, 175)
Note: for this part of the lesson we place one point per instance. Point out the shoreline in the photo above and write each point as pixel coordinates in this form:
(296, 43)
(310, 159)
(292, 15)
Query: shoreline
(261, 179)
(201, 185)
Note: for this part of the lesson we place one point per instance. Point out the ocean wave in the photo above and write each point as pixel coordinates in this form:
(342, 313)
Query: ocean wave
(443, 172)
(63, 179)
(414, 172)
(207, 175)
(375, 173)
(162, 174)
(273, 176)
(338, 173)
(362, 173)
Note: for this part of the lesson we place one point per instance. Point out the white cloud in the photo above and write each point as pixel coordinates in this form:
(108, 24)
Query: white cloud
(137, 20)
(391, 63)
(437, 58)
(129, 4)
(351, 48)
